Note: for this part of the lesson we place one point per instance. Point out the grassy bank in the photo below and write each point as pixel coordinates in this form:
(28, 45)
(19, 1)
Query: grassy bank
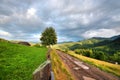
(59, 68)
(105, 66)
(17, 62)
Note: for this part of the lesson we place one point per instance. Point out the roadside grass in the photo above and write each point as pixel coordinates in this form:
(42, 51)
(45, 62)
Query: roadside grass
(59, 68)
(17, 62)
(105, 66)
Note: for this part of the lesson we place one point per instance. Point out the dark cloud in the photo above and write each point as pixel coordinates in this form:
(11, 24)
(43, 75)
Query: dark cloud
(73, 20)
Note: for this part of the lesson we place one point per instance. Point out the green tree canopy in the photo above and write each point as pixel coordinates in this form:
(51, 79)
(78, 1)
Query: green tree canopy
(48, 37)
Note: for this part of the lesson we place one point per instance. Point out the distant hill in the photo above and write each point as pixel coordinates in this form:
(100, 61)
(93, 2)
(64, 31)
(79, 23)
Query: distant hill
(107, 49)
(75, 45)
(90, 43)
(115, 37)
(99, 38)
(65, 42)
(112, 43)
(21, 42)
(3, 40)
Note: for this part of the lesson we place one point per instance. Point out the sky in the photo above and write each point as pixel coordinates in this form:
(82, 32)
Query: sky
(73, 20)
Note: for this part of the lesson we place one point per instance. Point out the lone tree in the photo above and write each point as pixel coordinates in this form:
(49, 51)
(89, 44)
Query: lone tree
(49, 37)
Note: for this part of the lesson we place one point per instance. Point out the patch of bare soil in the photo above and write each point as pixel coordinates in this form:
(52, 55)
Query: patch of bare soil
(83, 71)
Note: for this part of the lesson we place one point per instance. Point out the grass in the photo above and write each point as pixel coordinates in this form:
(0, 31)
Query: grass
(17, 62)
(105, 66)
(60, 70)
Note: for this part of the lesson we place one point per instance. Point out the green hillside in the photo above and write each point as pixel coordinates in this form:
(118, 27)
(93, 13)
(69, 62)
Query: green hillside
(75, 45)
(17, 62)
(106, 49)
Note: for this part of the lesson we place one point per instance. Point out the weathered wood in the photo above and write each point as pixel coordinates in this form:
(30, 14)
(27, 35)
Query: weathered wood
(43, 71)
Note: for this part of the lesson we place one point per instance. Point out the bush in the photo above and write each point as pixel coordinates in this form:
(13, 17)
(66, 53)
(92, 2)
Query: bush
(37, 45)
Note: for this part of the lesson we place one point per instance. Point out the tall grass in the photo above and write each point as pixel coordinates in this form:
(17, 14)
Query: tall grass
(60, 70)
(17, 62)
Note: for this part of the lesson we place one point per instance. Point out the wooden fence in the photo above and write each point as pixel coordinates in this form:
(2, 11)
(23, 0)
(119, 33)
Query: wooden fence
(43, 72)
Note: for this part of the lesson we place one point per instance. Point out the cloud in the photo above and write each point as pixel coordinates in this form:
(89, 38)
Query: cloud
(5, 34)
(64, 39)
(116, 18)
(31, 12)
(100, 33)
(72, 20)
(4, 19)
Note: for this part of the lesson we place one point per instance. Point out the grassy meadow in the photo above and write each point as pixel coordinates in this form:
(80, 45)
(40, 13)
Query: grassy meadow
(105, 66)
(17, 62)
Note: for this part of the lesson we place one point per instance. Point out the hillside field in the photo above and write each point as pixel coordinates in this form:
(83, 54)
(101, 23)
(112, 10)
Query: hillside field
(105, 49)
(103, 53)
(17, 62)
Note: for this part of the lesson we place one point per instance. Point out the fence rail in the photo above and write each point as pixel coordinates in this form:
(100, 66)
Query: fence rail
(43, 72)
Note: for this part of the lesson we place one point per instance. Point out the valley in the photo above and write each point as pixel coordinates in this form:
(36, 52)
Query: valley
(90, 59)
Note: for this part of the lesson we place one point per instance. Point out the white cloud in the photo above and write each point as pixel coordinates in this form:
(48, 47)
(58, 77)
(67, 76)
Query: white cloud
(64, 38)
(80, 5)
(4, 33)
(100, 33)
(36, 35)
(33, 37)
(56, 4)
(31, 12)
(86, 18)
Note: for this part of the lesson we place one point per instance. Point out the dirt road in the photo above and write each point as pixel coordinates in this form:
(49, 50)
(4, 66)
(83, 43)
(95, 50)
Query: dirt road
(83, 71)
